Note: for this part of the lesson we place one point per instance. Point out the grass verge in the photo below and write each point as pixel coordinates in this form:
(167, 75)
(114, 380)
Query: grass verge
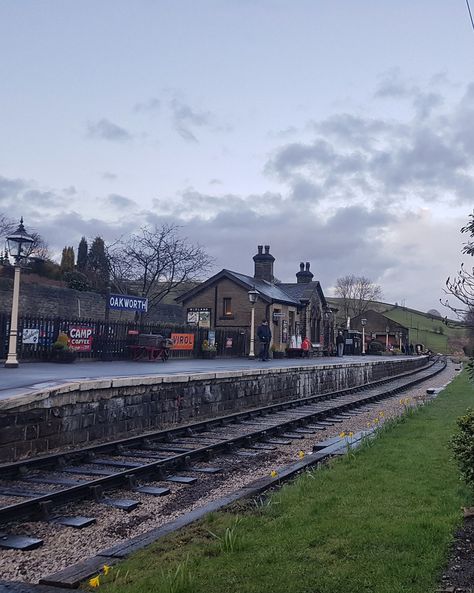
(378, 521)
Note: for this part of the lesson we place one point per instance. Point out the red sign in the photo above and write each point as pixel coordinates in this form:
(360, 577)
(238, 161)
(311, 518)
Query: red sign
(228, 342)
(183, 341)
(80, 338)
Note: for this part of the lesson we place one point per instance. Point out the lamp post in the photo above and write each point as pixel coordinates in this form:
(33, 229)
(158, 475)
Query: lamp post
(18, 244)
(400, 341)
(387, 329)
(253, 298)
(363, 322)
(328, 339)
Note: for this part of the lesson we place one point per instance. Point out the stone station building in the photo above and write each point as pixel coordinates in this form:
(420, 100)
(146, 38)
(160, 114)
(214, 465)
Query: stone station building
(294, 310)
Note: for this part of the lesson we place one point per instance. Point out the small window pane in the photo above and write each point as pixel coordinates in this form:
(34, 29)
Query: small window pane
(227, 306)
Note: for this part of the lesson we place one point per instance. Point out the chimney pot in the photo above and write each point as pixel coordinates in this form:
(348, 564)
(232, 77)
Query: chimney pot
(260, 248)
(307, 266)
(302, 266)
(267, 248)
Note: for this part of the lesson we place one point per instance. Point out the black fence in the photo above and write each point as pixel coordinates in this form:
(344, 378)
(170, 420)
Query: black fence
(111, 341)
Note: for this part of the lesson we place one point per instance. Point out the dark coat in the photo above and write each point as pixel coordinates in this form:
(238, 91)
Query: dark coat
(264, 334)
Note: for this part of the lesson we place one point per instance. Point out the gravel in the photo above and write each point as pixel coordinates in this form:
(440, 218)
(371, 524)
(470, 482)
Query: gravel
(65, 546)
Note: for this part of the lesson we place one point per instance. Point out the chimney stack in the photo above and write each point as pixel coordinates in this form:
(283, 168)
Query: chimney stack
(304, 276)
(264, 264)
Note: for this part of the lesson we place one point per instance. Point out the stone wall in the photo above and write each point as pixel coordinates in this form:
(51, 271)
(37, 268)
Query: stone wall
(77, 414)
(41, 300)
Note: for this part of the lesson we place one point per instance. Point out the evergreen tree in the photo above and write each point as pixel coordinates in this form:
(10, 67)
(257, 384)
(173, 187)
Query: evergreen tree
(67, 260)
(98, 265)
(82, 255)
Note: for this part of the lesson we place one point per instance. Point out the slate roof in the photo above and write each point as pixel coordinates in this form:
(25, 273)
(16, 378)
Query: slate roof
(268, 291)
(303, 290)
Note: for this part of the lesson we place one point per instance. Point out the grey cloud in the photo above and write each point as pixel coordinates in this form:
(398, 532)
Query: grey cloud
(303, 190)
(120, 201)
(109, 176)
(107, 130)
(355, 158)
(215, 182)
(185, 118)
(393, 86)
(9, 188)
(425, 103)
(152, 105)
(355, 130)
(296, 155)
(42, 198)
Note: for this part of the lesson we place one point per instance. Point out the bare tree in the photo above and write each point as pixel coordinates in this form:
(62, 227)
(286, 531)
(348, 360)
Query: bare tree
(155, 261)
(356, 292)
(462, 288)
(462, 285)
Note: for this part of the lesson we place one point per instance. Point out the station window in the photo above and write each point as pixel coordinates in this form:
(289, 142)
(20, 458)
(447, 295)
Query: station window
(227, 308)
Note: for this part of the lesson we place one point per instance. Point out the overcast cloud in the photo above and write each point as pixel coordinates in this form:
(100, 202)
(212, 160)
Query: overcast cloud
(354, 155)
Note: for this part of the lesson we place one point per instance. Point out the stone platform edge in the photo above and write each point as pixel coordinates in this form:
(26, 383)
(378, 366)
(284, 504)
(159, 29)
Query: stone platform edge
(33, 397)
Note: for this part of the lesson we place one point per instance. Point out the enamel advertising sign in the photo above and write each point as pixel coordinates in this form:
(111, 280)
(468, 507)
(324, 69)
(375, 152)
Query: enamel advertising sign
(80, 338)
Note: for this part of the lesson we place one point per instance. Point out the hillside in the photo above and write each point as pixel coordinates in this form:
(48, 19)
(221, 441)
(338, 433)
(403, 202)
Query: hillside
(424, 329)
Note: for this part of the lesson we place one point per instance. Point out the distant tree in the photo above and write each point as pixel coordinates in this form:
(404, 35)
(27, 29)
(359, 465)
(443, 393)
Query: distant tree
(67, 260)
(155, 261)
(98, 265)
(356, 292)
(82, 253)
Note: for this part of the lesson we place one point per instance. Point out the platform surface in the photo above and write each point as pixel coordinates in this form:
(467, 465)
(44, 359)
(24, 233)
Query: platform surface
(36, 376)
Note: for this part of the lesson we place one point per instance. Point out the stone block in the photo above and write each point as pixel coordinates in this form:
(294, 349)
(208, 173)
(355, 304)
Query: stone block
(92, 385)
(176, 379)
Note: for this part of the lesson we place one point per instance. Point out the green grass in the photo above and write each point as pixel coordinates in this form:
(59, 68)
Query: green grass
(378, 521)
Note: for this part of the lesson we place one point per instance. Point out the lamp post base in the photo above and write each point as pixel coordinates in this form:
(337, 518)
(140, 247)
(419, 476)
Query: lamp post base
(9, 364)
(251, 356)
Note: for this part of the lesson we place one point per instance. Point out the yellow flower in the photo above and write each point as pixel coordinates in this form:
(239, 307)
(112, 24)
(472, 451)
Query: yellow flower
(401, 402)
(301, 454)
(376, 420)
(273, 473)
(369, 424)
(95, 582)
(351, 434)
(106, 569)
(342, 434)
(381, 414)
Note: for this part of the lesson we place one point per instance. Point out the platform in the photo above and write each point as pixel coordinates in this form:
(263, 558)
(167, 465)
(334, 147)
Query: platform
(31, 377)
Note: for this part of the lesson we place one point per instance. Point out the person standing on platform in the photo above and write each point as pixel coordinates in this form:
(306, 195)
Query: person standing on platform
(340, 344)
(306, 347)
(264, 335)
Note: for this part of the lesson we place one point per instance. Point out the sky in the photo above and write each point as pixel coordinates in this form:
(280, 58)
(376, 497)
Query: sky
(338, 132)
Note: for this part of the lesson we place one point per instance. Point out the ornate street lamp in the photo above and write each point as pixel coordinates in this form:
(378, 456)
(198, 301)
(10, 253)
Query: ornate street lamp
(253, 298)
(363, 322)
(19, 245)
(387, 329)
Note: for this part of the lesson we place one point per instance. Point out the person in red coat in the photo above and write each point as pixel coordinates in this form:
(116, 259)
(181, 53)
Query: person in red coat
(306, 346)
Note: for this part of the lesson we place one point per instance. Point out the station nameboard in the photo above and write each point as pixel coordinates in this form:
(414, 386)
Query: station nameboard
(125, 302)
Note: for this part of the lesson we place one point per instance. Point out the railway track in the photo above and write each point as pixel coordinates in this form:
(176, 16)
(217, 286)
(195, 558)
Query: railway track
(34, 488)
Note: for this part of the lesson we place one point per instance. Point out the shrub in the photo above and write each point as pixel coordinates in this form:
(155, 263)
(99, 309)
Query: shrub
(376, 347)
(462, 445)
(62, 342)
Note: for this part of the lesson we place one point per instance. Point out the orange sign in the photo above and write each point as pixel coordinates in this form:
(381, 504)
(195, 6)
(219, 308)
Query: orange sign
(183, 341)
